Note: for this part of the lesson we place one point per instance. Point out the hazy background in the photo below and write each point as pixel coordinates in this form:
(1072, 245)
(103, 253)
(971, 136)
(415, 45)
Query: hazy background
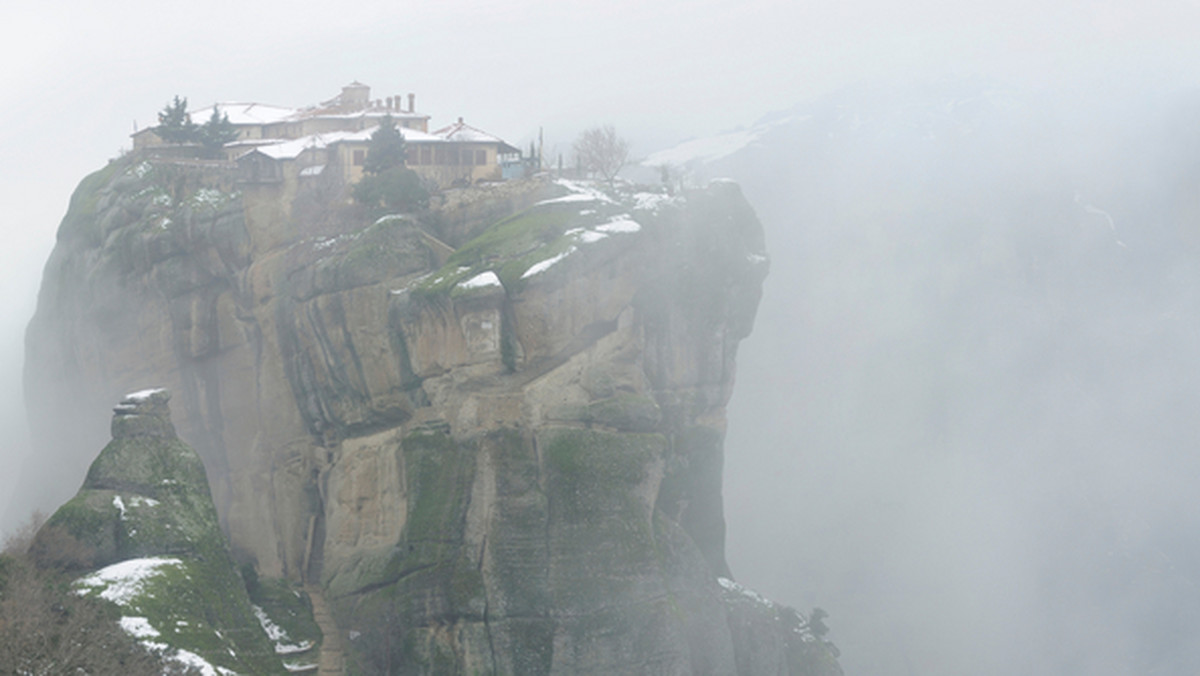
(965, 424)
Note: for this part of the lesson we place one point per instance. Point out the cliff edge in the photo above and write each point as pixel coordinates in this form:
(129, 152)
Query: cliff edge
(491, 432)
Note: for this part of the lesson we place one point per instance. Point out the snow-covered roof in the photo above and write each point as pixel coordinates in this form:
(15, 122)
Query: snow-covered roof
(290, 149)
(245, 113)
(465, 133)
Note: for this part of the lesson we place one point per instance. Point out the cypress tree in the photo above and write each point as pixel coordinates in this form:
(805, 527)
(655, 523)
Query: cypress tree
(387, 148)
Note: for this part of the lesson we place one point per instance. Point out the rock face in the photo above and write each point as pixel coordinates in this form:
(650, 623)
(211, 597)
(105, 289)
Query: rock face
(144, 523)
(493, 434)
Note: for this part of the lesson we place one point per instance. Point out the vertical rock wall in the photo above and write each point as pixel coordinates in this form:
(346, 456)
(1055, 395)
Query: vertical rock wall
(507, 461)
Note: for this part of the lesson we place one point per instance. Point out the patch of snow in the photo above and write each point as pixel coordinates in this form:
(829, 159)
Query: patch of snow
(278, 635)
(141, 169)
(748, 593)
(756, 259)
(120, 505)
(584, 235)
(293, 648)
(139, 627)
(274, 631)
(142, 395)
(164, 222)
(542, 266)
(300, 668)
(191, 659)
(480, 281)
(620, 225)
(326, 242)
(162, 199)
(588, 190)
(121, 582)
(208, 197)
(650, 201)
(139, 501)
(314, 170)
(573, 197)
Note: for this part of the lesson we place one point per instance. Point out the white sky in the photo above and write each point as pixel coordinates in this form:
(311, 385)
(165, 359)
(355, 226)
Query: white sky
(74, 75)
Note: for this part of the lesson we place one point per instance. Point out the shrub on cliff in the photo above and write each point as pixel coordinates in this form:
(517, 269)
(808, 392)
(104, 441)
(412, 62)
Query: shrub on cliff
(398, 189)
(47, 629)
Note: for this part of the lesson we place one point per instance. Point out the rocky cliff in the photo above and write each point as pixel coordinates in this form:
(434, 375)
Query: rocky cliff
(144, 529)
(492, 433)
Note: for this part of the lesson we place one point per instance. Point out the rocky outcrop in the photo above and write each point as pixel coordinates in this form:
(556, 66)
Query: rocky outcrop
(493, 433)
(144, 527)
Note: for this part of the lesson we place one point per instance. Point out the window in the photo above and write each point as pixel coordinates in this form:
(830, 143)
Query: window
(480, 157)
(439, 156)
(359, 157)
(426, 155)
(412, 156)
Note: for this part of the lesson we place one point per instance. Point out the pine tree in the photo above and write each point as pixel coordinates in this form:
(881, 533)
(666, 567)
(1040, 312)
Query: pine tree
(174, 123)
(387, 148)
(216, 132)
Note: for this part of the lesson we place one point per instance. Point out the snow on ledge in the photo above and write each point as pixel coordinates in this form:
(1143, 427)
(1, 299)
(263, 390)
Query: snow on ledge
(278, 635)
(748, 593)
(542, 266)
(620, 224)
(142, 395)
(481, 280)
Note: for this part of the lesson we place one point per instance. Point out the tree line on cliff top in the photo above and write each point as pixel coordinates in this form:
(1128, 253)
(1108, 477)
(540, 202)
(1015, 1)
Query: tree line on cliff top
(175, 125)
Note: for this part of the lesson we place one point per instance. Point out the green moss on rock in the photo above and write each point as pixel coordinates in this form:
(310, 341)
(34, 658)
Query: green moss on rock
(146, 496)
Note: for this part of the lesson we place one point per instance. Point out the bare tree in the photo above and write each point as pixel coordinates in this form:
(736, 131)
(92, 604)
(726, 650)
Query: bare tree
(46, 629)
(600, 151)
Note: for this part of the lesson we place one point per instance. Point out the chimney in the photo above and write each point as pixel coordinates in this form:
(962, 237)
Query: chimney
(460, 119)
(412, 102)
(389, 103)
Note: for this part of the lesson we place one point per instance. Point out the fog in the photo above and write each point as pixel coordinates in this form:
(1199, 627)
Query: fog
(982, 445)
(965, 422)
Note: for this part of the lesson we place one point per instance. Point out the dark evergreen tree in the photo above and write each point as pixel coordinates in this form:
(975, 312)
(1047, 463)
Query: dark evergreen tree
(174, 123)
(387, 148)
(389, 186)
(216, 132)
